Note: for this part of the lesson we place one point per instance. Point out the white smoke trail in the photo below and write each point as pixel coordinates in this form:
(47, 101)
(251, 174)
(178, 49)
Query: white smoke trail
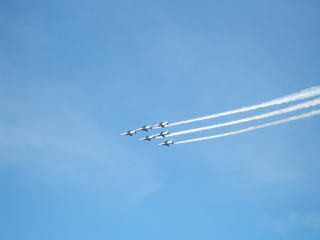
(307, 93)
(257, 117)
(305, 115)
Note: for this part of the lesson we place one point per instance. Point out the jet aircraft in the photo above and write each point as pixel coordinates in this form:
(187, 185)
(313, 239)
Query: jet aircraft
(162, 134)
(145, 128)
(162, 124)
(129, 133)
(147, 138)
(166, 143)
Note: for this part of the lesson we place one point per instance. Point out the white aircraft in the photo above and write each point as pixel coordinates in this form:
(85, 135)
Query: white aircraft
(147, 138)
(166, 143)
(129, 133)
(162, 134)
(145, 128)
(162, 124)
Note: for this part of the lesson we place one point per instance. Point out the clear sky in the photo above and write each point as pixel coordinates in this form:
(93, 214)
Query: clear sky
(75, 74)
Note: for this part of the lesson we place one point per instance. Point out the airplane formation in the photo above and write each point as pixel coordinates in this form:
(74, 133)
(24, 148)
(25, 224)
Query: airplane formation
(146, 128)
(302, 95)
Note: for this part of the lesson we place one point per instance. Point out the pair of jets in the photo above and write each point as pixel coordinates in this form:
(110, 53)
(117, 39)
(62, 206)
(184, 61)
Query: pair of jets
(146, 128)
(162, 134)
(149, 138)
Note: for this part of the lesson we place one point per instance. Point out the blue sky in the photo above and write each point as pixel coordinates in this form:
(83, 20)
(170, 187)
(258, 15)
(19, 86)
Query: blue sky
(75, 74)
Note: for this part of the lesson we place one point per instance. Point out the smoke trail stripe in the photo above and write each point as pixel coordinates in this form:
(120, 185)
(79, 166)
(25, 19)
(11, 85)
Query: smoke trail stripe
(305, 115)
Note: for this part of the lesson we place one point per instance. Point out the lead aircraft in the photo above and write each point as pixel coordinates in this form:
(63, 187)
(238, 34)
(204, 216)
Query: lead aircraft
(129, 133)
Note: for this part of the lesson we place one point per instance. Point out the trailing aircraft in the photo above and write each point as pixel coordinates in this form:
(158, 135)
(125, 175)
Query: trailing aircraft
(147, 138)
(166, 143)
(162, 124)
(145, 128)
(162, 134)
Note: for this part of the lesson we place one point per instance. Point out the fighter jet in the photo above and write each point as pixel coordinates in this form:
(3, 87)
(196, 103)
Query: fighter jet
(162, 134)
(145, 128)
(161, 124)
(129, 133)
(166, 143)
(147, 138)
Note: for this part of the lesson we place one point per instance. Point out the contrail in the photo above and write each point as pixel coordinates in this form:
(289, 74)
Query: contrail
(307, 93)
(305, 115)
(257, 117)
